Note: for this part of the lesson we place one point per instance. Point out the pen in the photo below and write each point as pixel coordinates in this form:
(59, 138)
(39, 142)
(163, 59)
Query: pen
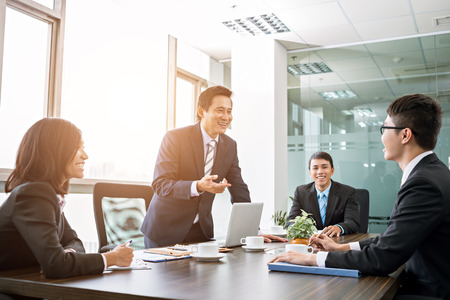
(127, 244)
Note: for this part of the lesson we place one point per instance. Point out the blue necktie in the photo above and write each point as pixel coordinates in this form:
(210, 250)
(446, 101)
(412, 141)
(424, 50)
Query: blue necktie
(323, 207)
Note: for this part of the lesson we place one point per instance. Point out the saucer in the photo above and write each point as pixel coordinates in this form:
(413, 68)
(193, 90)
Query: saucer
(254, 249)
(208, 258)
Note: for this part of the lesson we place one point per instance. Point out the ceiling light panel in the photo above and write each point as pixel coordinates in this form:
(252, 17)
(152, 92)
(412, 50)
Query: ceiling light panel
(337, 95)
(308, 69)
(262, 24)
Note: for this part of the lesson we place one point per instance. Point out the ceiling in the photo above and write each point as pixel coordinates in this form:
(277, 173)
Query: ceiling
(312, 23)
(379, 49)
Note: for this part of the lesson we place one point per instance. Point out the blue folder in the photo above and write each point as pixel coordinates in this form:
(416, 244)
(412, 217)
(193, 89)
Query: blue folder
(287, 267)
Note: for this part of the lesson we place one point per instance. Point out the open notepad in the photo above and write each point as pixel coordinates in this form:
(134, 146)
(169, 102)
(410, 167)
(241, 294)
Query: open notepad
(161, 254)
(287, 267)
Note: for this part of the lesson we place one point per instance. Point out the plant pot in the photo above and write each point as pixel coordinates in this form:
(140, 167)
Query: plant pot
(300, 241)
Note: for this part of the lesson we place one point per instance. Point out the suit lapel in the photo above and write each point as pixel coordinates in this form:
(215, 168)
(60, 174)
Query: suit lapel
(312, 198)
(198, 149)
(333, 198)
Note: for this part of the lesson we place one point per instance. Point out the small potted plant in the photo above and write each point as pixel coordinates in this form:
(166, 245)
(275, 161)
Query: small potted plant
(302, 228)
(279, 218)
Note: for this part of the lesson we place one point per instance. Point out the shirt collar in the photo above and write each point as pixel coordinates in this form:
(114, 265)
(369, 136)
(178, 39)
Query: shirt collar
(206, 137)
(62, 202)
(326, 192)
(412, 164)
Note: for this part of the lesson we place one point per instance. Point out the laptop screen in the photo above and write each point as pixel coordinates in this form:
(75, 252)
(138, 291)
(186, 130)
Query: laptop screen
(244, 221)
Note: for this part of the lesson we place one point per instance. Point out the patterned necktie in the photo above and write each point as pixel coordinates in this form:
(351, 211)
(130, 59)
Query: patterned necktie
(209, 161)
(323, 207)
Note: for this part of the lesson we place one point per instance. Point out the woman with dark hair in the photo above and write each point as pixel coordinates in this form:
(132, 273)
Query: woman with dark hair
(33, 229)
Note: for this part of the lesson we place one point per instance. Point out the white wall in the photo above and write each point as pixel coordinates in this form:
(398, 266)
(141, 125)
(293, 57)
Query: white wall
(259, 85)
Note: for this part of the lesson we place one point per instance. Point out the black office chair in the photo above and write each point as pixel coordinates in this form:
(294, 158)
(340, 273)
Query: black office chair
(119, 210)
(362, 195)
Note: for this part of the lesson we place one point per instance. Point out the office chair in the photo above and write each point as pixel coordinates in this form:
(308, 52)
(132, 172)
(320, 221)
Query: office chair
(119, 210)
(362, 195)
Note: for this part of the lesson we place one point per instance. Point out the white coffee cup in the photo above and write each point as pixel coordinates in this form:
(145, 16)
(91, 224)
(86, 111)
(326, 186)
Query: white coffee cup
(301, 248)
(253, 241)
(206, 249)
(276, 229)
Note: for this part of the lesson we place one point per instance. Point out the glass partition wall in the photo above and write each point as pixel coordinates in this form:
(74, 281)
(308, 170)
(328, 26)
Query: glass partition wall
(337, 100)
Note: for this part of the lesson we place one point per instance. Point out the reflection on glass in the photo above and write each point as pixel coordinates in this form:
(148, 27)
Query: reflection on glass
(184, 103)
(24, 81)
(348, 127)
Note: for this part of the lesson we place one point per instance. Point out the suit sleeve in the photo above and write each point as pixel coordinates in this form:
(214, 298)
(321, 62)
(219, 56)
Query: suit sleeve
(166, 182)
(70, 238)
(35, 217)
(351, 214)
(238, 189)
(416, 215)
(296, 206)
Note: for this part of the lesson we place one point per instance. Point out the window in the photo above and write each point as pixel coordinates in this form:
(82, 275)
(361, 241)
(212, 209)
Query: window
(114, 89)
(30, 62)
(365, 79)
(21, 107)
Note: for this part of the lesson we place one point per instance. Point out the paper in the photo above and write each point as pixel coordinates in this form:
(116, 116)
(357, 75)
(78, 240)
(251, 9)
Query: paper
(137, 264)
(153, 257)
(287, 267)
(168, 251)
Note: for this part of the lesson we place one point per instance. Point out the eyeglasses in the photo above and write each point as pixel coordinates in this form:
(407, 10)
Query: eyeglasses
(383, 129)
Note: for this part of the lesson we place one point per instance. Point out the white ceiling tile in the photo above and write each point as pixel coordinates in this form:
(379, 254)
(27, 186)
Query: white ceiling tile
(397, 46)
(394, 27)
(286, 4)
(352, 64)
(360, 75)
(369, 10)
(317, 16)
(425, 21)
(349, 52)
(429, 5)
(337, 34)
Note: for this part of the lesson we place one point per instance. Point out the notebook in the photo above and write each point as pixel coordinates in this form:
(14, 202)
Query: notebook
(287, 267)
(244, 221)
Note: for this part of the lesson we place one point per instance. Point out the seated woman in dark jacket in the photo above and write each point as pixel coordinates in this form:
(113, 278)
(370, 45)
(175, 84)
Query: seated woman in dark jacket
(33, 229)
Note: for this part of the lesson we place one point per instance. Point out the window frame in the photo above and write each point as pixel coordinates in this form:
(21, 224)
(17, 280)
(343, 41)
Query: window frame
(56, 19)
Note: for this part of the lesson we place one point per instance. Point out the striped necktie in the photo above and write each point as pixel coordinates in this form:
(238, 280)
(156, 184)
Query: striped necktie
(209, 161)
(323, 207)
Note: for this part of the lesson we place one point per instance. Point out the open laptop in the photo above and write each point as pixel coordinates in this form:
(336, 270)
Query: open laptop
(244, 221)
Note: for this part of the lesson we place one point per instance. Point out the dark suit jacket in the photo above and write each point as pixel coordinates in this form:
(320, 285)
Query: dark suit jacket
(180, 162)
(342, 207)
(33, 232)
(418, 234)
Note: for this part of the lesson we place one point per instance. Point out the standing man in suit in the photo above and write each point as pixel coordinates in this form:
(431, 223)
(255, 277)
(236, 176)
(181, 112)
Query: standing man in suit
(194, 164)
(333, 205)
(418, 232)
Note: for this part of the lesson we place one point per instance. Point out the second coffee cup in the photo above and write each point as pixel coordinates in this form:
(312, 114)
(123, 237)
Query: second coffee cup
(206, 249)
(253, 241)
(301, 248)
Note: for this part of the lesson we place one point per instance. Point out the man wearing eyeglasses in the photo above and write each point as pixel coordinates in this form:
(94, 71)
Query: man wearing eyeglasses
(418, 232)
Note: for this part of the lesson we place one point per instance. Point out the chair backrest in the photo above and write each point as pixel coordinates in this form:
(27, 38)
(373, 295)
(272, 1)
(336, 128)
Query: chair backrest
(362, 195)
(119, 210)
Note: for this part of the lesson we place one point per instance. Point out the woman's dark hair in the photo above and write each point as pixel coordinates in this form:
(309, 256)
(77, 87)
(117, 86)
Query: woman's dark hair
(46, 150)
(321, 155)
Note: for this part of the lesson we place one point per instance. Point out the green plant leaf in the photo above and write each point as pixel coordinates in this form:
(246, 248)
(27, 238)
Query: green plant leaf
(303, 227)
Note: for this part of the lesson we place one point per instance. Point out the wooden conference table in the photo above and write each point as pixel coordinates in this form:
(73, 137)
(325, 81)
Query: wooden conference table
(240, 275)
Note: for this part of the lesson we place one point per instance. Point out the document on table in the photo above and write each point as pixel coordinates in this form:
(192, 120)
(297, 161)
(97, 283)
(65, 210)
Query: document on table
(136, 264)
(287, 267)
